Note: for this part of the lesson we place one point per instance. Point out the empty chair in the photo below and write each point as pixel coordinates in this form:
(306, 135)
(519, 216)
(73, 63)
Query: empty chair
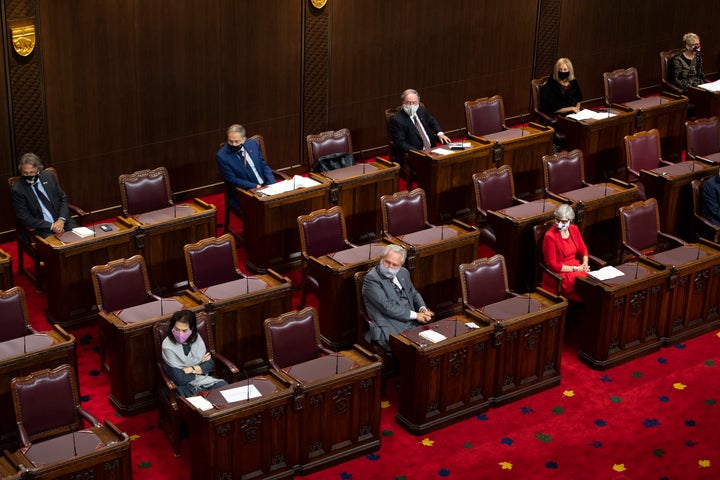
(483, 282)
(293, 338)
(706, 223)
(145, 190)
(404, 212)
(326, 145)
(640, 226)
(494, 190)
(14, 314)
(703, 139)
(485, 116)
(642, 152)
(621, 86)
(212, 261)
(564, 172)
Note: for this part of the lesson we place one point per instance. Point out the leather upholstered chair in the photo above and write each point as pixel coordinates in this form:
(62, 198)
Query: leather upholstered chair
(395, 155)
(321, 232)
(293, 338)
(621, 86)
(549, 119)
(37, 422)
(665, 71)
(702, 227)
(564, 172)
(703, 138)
(494, 190)
(169, 417)
(145, 191)
(483, 282)
(404, 212)
(485, 116)
(212, 261)
(642, 152)
(541, 268)
(390, 364)
(640, 227)
(14, 314)
(327, 143)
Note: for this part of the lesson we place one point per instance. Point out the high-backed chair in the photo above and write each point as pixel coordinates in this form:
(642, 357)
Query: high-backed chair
(564, 172)
(39, 420)
(404, 212)
(321, 232)
(14, 314)
(703, 139)
(395, 154)
(640, 226)
(642, 152)
(212, 261)
(328, 143)
(494, 190)
(25, 238)
(145, 191)
(169, 417)
(483, 282)
(621, 86)
(293, 338)
(666, 73)
(484, 116)
(537, 86)
(702, 226)
(390, 364)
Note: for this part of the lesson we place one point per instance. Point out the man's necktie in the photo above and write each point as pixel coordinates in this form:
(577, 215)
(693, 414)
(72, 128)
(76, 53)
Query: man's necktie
(250, 170)
(423, 135)
(45, 201)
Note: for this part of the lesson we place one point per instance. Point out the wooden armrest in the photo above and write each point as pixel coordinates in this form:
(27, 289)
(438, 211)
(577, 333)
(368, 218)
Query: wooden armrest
(78, 210)
(326, 351)
(280, 175)
(88, 417)
(598, 263)
(350, 244)
(518, 201)
(633, 250)
(227, 363)
(554, 275)
(671, 238)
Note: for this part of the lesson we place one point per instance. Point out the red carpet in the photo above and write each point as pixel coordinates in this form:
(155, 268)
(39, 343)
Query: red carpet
(654, 418)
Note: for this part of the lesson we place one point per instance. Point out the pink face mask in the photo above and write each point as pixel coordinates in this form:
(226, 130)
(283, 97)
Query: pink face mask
(181, 337)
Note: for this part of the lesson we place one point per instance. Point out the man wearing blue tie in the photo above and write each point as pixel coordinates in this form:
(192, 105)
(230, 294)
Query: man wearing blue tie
(242, 164)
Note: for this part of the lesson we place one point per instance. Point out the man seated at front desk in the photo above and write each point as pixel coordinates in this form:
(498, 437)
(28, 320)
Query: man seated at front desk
(242, 164)
(391, 300)
(711, 199)
(413, 128)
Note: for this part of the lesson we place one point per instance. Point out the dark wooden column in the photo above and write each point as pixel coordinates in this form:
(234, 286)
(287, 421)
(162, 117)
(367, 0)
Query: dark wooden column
(546, 41)
(316, 64)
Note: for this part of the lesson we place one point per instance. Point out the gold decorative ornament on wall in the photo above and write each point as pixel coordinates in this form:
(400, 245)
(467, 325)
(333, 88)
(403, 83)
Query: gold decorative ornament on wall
(318, 3)
(23, 39)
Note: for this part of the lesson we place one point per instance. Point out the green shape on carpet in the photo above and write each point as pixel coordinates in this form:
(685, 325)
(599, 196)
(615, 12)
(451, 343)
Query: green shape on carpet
(467, 445)
(615, 399)
(543, 437)
(401, 477)
(637, 374)
(558, 410)
(710, 363)
(710, 401)
(387, 433)
(144, 464)
(658, 452)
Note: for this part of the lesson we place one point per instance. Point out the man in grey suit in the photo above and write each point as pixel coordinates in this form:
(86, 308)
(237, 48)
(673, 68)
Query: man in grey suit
(391, 301)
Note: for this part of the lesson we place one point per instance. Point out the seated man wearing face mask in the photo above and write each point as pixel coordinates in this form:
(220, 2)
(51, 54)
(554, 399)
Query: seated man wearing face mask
(413, 128)
(40, 204)
(565, 253)
(391, 301)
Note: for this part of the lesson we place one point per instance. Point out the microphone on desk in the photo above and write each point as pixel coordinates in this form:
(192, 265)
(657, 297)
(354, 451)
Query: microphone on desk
(248, 384)
(93, 227)
(172, 199)
(529, 299)
(522, 122)
(337, 360)
(698, 251)
(247, 283)
(545, 196)
(25, 340)
(293, 182)
(442, 231)
(606, 183)
(363, 168)
(72, 432)
(637, 268)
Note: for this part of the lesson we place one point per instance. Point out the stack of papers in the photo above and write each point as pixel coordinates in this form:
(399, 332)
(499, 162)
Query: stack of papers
(712, 86)
(606, 273)
(83, 232)
(432, 336)
(288, 185)
(586, 114)
(200, 403)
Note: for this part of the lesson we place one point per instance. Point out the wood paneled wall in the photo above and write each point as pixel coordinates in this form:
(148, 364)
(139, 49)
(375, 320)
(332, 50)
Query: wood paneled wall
(130, 84)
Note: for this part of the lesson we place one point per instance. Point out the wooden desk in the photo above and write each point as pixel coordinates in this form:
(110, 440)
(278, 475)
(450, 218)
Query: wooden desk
(6, 273)
(624, 317)
(693, 290)
(103, 453)
(337, 408)
(161, 236)
(513, 229)
(670, 186)
(596, 214)
(527, 344)
(68, 260)
(601, 141)
(337, 306)
(127, 337)
(522, 149)
(254, 438)
(272, 238)
(433, 256)
(444, 382)
(238, 309)
(21, 357)
(357, 190)
(707, 103)
(667, 113)
(447, 179)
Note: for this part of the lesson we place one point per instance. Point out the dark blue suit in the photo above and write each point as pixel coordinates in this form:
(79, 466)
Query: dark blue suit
(236, 174)
(406, 136)
(27, 206)
(711, 199)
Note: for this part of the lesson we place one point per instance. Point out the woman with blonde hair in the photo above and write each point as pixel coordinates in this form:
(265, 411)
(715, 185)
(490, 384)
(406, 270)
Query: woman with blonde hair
(562, 92)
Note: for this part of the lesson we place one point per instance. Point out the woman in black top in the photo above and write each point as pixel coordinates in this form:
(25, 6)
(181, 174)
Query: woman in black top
(687, 68)
(561, 94)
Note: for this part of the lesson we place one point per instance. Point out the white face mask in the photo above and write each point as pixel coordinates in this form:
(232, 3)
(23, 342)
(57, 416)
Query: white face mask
(410, 109)
(388, 272)
(562, 225)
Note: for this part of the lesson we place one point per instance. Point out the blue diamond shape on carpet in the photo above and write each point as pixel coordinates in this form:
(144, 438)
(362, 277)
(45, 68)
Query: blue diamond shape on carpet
(372, 456)
(596, 444)
(482, 416)
(690, 423)
(345, 476)
(680, 346)
(526, 410)
(651, 422)
(600, 423)
(551, 464)
(606, 379)
(84, 398)
(94, 373)
(443, 472)
(506, 441)
(690, 443)
(662, 360)
(664, 399)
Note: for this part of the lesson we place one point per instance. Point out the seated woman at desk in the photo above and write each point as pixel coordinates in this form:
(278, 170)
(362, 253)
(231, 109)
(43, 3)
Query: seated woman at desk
(563, 249)
(561, 94)
(185, 357)
(687, 68)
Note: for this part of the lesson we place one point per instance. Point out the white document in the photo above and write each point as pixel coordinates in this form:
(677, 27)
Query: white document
(200, 403)
(238, 394)
(432, 336)
(606, 273)
(288, 185)
(83, 232)
(442, 151)
(711, 86)
(472, 325)
(586, 114)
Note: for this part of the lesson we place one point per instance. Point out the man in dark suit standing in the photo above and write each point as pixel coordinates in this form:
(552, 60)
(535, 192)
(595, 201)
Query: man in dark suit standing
(391, 301)
(40, 204)
(413, 128)
(242, 164)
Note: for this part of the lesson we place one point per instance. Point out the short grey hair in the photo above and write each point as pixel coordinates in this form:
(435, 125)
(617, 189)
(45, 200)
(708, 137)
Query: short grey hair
(564, 211)
(30, 159)
(395, 248)
(408, 92)
(236, 127)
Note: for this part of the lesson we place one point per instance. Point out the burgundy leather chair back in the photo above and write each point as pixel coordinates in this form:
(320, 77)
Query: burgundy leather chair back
(621, 86)
(404, 212)
(120, 284)
(640, 224)
(145, 191)
(665, 71)
(484, 281)
(703, 137)
(563, 172)
(327, 143)
(494, 188)
(322, 232)
(642, 151)
(14, 314)
(485, 116)
(292, 338)
(212, 261)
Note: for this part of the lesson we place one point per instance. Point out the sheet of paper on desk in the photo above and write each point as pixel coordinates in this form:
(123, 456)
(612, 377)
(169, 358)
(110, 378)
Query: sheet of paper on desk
(711, 86)
(288, 185)
(606, 273)
(82, 232)
(472, 325)
(432, 336)
(238, 394)
(200, 403)
(586, 114)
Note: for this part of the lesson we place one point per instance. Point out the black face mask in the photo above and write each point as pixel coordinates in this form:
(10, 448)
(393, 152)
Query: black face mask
(563, 75)
(235, 148)
(31, 179)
